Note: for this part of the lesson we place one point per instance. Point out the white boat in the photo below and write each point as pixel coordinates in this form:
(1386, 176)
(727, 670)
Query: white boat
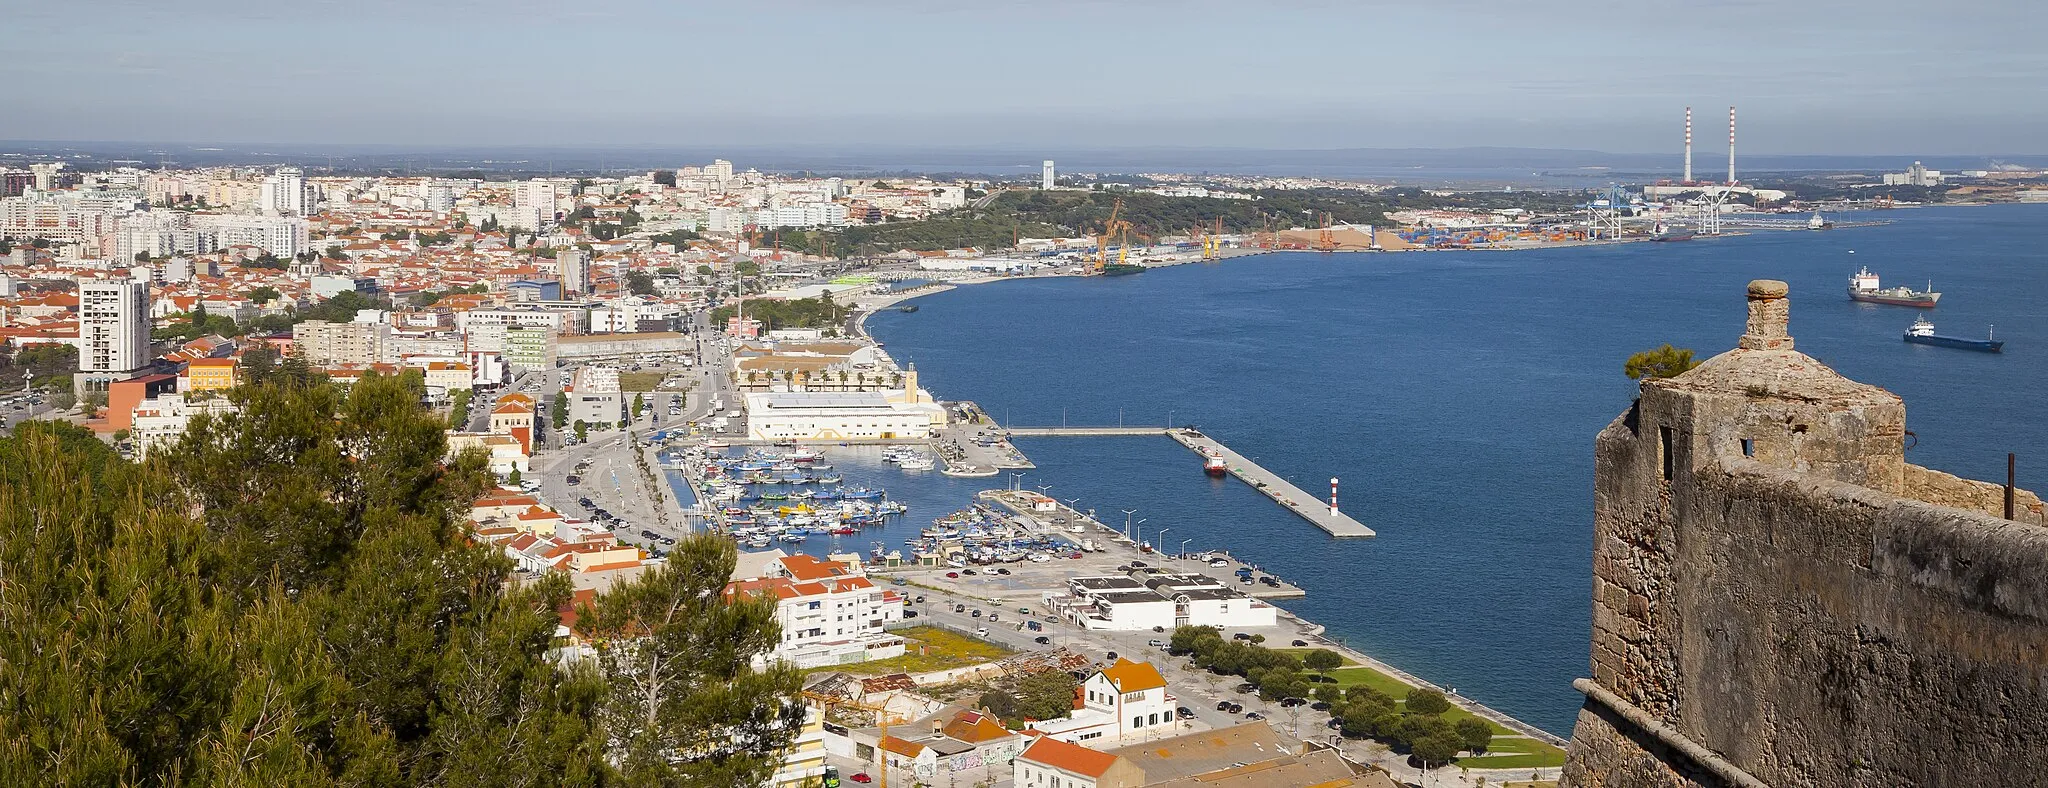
(918, 462)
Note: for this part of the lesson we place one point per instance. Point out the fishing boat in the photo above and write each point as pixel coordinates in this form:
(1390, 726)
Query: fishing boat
(835, 479)
(917, 462)
(1922, 333)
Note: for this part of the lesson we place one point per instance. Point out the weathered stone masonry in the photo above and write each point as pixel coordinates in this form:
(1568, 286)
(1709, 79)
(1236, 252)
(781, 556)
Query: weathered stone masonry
(1780, 599)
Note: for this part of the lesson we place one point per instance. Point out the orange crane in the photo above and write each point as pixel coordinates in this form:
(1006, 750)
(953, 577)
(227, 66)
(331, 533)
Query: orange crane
(1326, 240)
(883, 717)
(1114, 227)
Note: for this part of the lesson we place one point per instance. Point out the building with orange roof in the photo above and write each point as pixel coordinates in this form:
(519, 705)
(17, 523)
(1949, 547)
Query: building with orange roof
(1052, 763)
(1127, 701)
(829, 614)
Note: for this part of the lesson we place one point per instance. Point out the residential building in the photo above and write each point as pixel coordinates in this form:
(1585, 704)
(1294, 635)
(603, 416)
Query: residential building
(529, 349)
(160, 421)
(323, 343)
(572, 268)
(287, 193)
(1052, 763)
(281, 236)
(1124, 702)
(507, 451)
(208, 374)
(829, 613)
(514, 416)
(113, 331)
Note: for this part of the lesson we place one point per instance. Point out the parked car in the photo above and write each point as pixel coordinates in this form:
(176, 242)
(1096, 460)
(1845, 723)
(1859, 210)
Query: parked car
(1002, 571)
(861, 777)
(1034, 626)
(1288, 703)
(977, 613)
(1319, 706)
(1300, 643)
(1156, 643)
(1042, 640)
(574, 480)
(953, 574)
(1184, 712)
(1255, 716)
(967, 572)
(1236, 708)
(1112, 656)
(1218, 562)
(909, 614)
(981, 632)
(1222, 705)
(1246, 688)
(1241, 636)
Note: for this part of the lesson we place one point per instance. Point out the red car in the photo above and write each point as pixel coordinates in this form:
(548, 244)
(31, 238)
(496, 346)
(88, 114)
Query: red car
(953, 574)
(861, 777)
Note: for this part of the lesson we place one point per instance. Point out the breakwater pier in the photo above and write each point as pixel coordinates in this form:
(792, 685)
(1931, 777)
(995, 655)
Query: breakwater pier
(1268, 483)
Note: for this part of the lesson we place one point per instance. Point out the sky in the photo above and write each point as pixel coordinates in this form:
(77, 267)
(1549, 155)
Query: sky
(1808, 76)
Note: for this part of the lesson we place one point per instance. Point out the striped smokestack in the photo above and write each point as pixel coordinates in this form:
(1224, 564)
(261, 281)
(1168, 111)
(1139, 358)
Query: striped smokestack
(1731, 146)
(1688, 145)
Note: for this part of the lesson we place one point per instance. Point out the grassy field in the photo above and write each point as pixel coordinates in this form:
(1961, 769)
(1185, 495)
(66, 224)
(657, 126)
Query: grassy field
(926, 649)
(639, 381)
(1510, 750)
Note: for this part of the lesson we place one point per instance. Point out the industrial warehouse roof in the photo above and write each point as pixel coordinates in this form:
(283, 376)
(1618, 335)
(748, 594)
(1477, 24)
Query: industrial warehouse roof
(825, 399)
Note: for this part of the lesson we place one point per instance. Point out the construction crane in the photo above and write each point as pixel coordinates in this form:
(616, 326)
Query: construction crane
(883, 717)
(1326, 239)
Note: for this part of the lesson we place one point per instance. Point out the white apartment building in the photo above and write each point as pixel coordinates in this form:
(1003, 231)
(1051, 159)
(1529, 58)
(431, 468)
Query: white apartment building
(287, 193)
(825, 214)
(830, 613)
(113, 330)
(281, 236)
(342, 344)
(161, 421)
(536, 201)
(1125, 702)
(572, 269)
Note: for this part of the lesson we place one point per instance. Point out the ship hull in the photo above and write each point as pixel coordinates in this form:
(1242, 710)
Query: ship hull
(1979, 345)
(1122, 269)
(1215, 472)
(1679, 235)
(1914, 301)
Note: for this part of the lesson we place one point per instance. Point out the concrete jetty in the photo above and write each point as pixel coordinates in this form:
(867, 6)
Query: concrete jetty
(1310, 507)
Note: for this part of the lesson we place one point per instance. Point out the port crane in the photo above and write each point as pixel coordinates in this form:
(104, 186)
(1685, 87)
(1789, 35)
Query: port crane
(1118, 228)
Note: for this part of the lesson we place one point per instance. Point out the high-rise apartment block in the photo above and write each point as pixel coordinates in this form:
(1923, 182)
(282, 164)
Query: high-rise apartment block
(113, 331)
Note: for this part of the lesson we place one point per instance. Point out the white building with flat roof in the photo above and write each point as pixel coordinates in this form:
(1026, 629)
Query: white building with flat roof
(835, 416)
(1119, 603)
(113, 329)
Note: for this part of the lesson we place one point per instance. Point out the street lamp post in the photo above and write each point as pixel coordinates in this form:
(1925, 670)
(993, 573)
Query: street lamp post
(1162, 536)
(1127, 521)
(1184, 547)
(1015, 478)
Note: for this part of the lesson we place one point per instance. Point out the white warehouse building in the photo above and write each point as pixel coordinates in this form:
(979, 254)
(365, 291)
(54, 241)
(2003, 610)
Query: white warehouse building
(1120, 603)
(836, 416)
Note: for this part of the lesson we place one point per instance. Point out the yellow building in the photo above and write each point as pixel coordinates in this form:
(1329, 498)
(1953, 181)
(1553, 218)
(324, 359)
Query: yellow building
(209, 374)
(803, 764)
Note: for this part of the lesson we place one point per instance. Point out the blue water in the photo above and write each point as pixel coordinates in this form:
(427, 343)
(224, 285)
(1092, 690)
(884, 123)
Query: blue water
(1457, 394)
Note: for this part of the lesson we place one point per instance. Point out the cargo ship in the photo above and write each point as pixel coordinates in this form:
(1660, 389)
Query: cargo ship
(1922, 333)
(1667, 233)
(1120, 269)
(1213, 465)
(1863, 287)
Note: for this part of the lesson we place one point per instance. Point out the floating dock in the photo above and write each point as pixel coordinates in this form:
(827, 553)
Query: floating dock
(1283, 492)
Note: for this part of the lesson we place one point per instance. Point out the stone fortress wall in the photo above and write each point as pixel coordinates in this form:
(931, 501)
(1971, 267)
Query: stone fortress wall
(1780, 599)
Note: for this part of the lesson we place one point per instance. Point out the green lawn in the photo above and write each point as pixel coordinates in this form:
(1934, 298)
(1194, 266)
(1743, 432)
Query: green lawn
(1510, 750)
(941, 649)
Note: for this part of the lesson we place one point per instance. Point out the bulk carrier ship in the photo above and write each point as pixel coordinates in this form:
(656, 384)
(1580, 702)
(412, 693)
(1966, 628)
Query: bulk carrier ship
(1863, 287)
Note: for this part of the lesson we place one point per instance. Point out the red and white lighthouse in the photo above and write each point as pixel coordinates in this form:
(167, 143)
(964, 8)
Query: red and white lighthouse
(1333, 496)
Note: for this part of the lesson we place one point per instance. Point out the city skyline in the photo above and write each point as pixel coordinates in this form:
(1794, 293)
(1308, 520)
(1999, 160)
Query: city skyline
(1830, 77)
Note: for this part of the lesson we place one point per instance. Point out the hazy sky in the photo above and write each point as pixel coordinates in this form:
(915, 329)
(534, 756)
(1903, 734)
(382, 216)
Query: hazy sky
(1809, 76)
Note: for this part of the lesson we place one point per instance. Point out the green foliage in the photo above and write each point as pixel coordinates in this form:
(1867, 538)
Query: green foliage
(341, 308)
(582, 431)
(1661, 362)
(458, 409)
(1322, 660)
(797, 313)
(1475, 734)
(286, 597)
(705, 270)
(264, 294)
(675, 237)
(1039, 696)
(1422, 700)
(665, 177)
(640, 283)
(747, 268)
(678, 656)
(559, 414)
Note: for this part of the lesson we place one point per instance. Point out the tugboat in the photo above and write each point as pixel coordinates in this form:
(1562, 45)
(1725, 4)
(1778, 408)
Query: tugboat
(1922, 333)
(1863, 287)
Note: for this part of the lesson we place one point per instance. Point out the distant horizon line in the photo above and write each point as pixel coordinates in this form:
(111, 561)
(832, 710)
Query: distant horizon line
(955, 148)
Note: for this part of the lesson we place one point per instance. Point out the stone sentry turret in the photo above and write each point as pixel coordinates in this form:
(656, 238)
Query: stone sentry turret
(1779, 598)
